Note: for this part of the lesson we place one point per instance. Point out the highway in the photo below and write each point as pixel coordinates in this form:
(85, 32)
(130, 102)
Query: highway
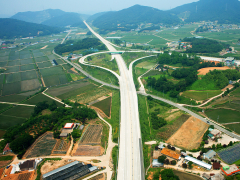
(130, 164)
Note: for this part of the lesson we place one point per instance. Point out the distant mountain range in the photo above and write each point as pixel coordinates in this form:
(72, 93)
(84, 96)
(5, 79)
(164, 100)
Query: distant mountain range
(52, 17)
(223, 11)
(13, 28)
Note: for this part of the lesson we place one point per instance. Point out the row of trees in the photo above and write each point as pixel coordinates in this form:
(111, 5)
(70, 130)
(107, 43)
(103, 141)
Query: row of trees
(86, 43)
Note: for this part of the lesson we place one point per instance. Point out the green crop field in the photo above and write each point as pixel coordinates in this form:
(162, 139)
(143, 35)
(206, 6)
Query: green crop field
(40, 98)
(28, 75)
(12, 98)
(9, 121)
(225, 116)
(3, 106)
(77, 91)
(55, 80)
(57, 91)
(52, 56)
(14, 77)
(14, 57)
(202, 84)
(201, 95)
(59, 61)
(14, 63)
(104, 105)
(6, 158)
(152, 73)
(11, 88)
(26, 61)
(1, 79)
(4, 58)
(19, 111)
(236, 92)
(51, 71)
(146, 65)
(41, 59)
(37, 53)
(3, 63)
(234, 127)
(44, 64)
(12, 69)
(2, 133)
(27, 67)
(25, 56)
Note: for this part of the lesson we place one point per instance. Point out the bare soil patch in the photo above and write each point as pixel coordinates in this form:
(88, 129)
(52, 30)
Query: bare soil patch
(228, 87)
(4, 163)
(189, 136)
(204, 71)
(87, 150)
(74, 70)
(52, 165)
(173, 116)
(99, 177)
(44, 47)
(92, 136)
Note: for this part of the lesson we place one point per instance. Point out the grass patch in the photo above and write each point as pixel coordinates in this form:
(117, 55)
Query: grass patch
(104, 105)
(202, 84)
(115, 160)
(131, 56)
(6, 158)
(201, 95)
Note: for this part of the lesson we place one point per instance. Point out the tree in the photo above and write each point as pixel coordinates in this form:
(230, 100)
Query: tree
(53, 106)
(21, 143)
(184, 165)
(173, 162)
(166, 161)
(169, 146)
(56, 134)
(230, 143)
(167, 174)
(162, 158)
(190, 164)
(173, 148)
(76, 134)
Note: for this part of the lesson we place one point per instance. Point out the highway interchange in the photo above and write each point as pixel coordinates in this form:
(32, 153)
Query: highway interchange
(130, 162)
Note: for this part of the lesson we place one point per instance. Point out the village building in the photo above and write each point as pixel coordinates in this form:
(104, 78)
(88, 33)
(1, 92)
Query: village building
(7, 149)
(214, 134)
(198, 162)
(230, 170)
(27, 165)
(67, 129)
(217, 177)
(216, 165)
(206, 176)
(170, 153)
(209, 155)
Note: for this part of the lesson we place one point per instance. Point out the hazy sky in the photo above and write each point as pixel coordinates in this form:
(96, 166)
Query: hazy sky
(10, 7)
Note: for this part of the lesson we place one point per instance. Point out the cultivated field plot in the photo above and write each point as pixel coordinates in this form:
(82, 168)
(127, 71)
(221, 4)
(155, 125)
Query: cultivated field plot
(55, 80)
(204, 71)
(12, 69)
(92, 135)
(189, 136)
(41, 59)
(13, 57)
(66, 90)
(61, 147)
(19, 111)
(87, 150)
(3, 63)
(26, 61)
(14, 77)
(52, 71)
(3, 58)
(43, 146)
(39, 98)
(11, 88)
(201, 95)
(146, 65)
(14, 63)
(27, 67)
(29, 85)
(9, 121)
(4, 163)
(230, 154)
(44, 64)
(29, 75)
(37, 53)
(12, 98)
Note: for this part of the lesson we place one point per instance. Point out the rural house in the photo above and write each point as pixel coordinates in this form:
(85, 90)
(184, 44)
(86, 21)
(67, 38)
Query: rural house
(27, 165)
(216, 165)
(214, 134)
(209, 155)
(206, 176)
(67, 129)
(171, 154)
(7, 149)
(230, 170)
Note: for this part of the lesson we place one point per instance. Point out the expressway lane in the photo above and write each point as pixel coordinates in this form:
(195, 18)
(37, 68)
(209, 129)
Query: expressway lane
(130, 158)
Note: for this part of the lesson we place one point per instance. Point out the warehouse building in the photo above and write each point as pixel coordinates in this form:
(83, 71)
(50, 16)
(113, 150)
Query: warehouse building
(198, 162)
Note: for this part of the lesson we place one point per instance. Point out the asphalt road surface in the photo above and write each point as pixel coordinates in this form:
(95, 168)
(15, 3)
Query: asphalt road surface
(130, 157)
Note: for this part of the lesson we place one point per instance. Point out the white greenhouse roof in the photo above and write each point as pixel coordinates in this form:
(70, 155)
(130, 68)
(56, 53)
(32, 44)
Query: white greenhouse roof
(198, 162)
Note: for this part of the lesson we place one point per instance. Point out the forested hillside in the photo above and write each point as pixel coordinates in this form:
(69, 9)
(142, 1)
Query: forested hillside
(12, 28)
(223, 11)
(130, 18)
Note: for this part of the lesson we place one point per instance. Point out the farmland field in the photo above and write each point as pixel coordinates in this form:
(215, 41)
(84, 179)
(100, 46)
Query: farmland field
(26, 61)
(61, 147)
(3, 106)
(27, 67)
(11, 88)
(3, 63)
(19, 111)
(12, 98)
(14, 63)
(29, 85)
(44, 64)
(104, 105)
(9, 121)
(201, 95)
(43, 146)
(55, 80)
(40, 98)
(12, 69)
(92, 135)
(230, 154)
(225, 115)
(14, 77)
(51, 71)
(57, 91)
(3, 58)
(29, 75)
(234, 127)
(41, 59)
(146, 65)
(37, 53)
